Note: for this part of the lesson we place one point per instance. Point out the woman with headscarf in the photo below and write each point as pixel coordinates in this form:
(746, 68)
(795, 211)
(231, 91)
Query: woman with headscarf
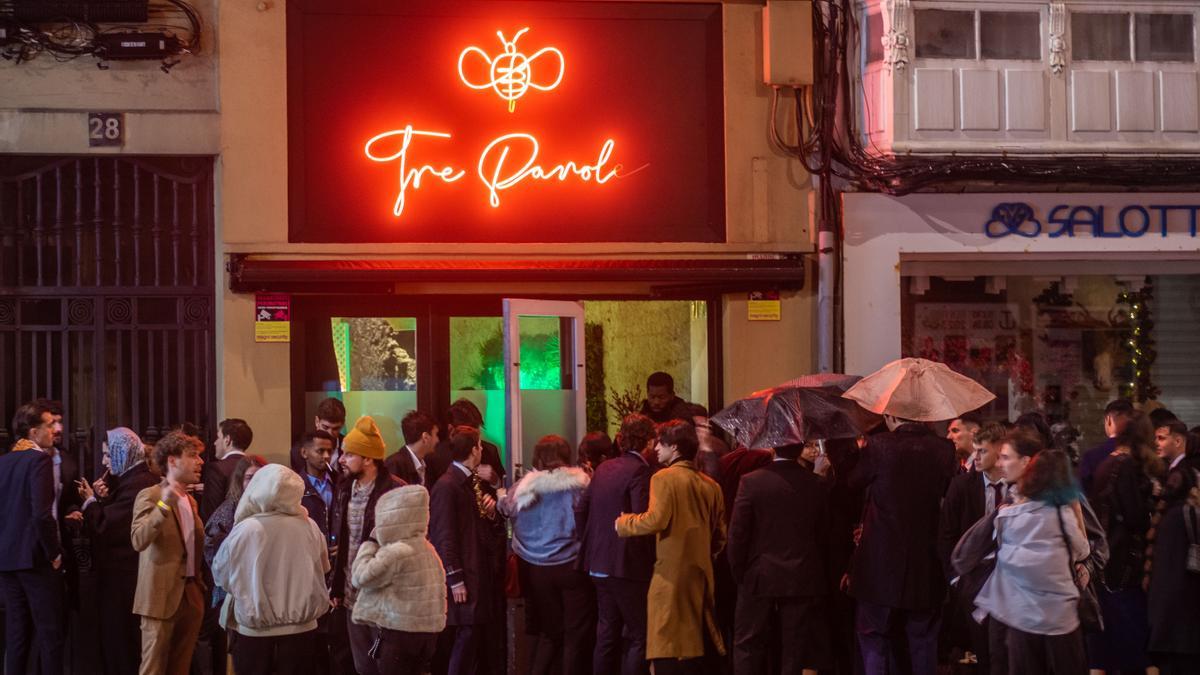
(108, 516)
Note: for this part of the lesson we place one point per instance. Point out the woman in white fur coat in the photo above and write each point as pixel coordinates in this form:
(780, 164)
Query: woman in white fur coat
(401, 582)
(560, 607)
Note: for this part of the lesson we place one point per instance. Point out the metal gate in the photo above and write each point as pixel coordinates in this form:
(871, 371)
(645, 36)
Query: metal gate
(106, 294)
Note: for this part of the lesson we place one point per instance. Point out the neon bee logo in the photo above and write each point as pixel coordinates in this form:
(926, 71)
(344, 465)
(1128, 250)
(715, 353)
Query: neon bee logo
(512, 74)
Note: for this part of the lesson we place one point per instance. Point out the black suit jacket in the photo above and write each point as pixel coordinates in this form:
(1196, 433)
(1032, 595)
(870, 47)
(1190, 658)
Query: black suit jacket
(439, 460)
(906, 473)
(109, 521)
(401, 465)
(458, 533)
(28, 532)
(962, 508)
(620, 485)
(216, 477)
(778, 532)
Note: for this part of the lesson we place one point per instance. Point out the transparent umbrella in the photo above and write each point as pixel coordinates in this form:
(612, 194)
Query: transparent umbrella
(788, 414)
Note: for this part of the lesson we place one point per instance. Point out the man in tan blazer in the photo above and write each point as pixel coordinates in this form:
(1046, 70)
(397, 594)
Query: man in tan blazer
(169, 535)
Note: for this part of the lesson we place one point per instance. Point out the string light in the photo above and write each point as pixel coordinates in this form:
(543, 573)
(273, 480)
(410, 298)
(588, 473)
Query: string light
(1139, 343)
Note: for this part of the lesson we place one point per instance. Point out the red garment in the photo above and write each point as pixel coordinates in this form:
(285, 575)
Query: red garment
(736, 464)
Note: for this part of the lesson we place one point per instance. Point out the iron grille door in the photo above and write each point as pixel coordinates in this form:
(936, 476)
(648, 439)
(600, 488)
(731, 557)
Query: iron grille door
(106, 294)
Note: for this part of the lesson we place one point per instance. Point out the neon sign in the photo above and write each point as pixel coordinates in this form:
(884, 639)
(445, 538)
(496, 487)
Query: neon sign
(511, 71)
(508, 160)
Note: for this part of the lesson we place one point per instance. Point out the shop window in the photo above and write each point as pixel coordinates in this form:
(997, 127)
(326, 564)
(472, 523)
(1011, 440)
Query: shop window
(1010, 35)
(1063, 347)
(945, 34)
(1100, 36)
(1164, 37)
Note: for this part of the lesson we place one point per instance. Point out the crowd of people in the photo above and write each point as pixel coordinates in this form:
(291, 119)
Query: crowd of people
(905, 550)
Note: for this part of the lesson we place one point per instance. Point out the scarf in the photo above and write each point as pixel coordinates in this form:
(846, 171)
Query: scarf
(125, 450)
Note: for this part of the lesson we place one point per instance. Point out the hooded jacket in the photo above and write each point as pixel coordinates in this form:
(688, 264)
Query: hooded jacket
(401, 582)
(542, 509)
(274, 561)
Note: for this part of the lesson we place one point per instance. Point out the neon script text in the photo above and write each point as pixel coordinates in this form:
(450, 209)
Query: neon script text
(504, 163)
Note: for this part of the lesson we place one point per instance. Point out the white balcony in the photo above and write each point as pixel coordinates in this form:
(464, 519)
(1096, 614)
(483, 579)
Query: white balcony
(1030, 78)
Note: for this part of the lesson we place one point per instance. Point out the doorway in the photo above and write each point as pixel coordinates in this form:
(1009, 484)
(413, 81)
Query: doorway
(580, 365)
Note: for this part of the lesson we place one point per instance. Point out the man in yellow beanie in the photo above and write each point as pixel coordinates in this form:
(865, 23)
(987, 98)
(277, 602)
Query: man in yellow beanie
(362, 463)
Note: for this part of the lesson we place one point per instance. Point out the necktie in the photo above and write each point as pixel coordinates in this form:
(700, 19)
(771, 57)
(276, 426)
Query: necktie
(998, 489)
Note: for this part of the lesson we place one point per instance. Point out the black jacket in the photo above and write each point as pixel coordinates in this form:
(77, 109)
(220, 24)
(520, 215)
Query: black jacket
(906, 473)
(962, 508)
(677, 409)
(439, 460)
(28, 533)
(109, 521)
(315, 505)
(460, 536)
(620, 485)
(401, 465)
(216, 477)
(779, 532)
(1121, 495)
(341, 526)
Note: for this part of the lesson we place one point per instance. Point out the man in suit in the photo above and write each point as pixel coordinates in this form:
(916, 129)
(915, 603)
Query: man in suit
(458, 528)
(961, 433)
(464, 413)
(233, 440)
(1117, 414)
(971, 496)
(620, 567)
(420, 439)
(778, 538)
(30, 548)
(169, 537)
(895, 575)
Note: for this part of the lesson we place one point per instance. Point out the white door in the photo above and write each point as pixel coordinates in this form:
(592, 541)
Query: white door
(543, 376)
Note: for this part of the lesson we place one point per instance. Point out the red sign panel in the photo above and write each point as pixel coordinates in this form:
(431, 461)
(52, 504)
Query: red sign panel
(505, 122)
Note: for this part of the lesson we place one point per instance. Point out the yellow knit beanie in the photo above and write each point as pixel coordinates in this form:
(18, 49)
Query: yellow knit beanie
(364, 440)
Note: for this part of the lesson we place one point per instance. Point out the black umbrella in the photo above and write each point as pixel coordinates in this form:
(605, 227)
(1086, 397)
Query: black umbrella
(786, 415)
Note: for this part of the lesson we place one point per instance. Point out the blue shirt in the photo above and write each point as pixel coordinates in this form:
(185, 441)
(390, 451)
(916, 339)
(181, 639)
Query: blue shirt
(323, 488)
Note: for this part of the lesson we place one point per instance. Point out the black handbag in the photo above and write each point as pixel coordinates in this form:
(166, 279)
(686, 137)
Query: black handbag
(1090, 616)
(974, 558)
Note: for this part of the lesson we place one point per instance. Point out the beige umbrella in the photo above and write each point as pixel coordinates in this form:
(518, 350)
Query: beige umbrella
(919, 390)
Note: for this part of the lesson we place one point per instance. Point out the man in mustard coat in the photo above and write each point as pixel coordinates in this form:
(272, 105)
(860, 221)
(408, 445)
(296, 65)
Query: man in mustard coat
(169, 537)
(686, 516)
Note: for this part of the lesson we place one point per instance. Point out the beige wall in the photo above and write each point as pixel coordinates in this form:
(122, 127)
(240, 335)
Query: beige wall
(766, 201)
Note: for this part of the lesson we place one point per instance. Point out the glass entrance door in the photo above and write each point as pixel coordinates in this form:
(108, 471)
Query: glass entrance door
(544, 376)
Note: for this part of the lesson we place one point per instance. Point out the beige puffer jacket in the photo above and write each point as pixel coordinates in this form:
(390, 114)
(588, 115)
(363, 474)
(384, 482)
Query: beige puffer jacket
(401, 582)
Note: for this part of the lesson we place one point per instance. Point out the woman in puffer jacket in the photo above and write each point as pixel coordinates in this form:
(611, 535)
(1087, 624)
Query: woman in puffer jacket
(401, 583)
(560, 607)
(273, 565)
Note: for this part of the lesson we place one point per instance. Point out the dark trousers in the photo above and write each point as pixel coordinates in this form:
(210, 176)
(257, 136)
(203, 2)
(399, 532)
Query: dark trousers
(402, 653)
(997, 647)
(341, 658)
(362, 638)
(464, 650)
(33, 601)
(1177, 664)
(120, 628)
(790, 633)
(980, 639)
(620, 626)
(679, 666)
(874, 625)
(1057, 654)
(560, 612)
(275, 655)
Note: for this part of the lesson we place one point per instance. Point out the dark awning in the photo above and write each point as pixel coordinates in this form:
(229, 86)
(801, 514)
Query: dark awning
(249, 273)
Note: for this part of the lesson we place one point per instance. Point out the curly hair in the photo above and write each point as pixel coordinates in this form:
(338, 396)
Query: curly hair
(1138, 437)
(174, 444)
(636, 431)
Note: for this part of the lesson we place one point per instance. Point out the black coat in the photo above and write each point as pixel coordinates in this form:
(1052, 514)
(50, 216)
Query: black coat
(216, 476)
(28, 533)
(1121, 496)
(619, 485)
(461, 537)
(341, 525)
(962, 508)
(1174, 595)
(779, 532)
(401, 465)
(906, 473)
(315, 505)
(109, 521)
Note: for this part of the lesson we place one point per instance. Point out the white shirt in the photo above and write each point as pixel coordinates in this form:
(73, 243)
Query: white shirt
(417, 462)
(233, 453)
(56, 458)
(989, 495)
(1175, 462)
(463, 467)
(187, 525)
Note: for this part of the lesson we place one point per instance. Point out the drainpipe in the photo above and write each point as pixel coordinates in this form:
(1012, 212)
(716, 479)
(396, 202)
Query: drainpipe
(826, 275)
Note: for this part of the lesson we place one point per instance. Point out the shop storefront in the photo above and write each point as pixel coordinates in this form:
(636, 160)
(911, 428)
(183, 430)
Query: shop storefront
(1055, 302)
(533, 205)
